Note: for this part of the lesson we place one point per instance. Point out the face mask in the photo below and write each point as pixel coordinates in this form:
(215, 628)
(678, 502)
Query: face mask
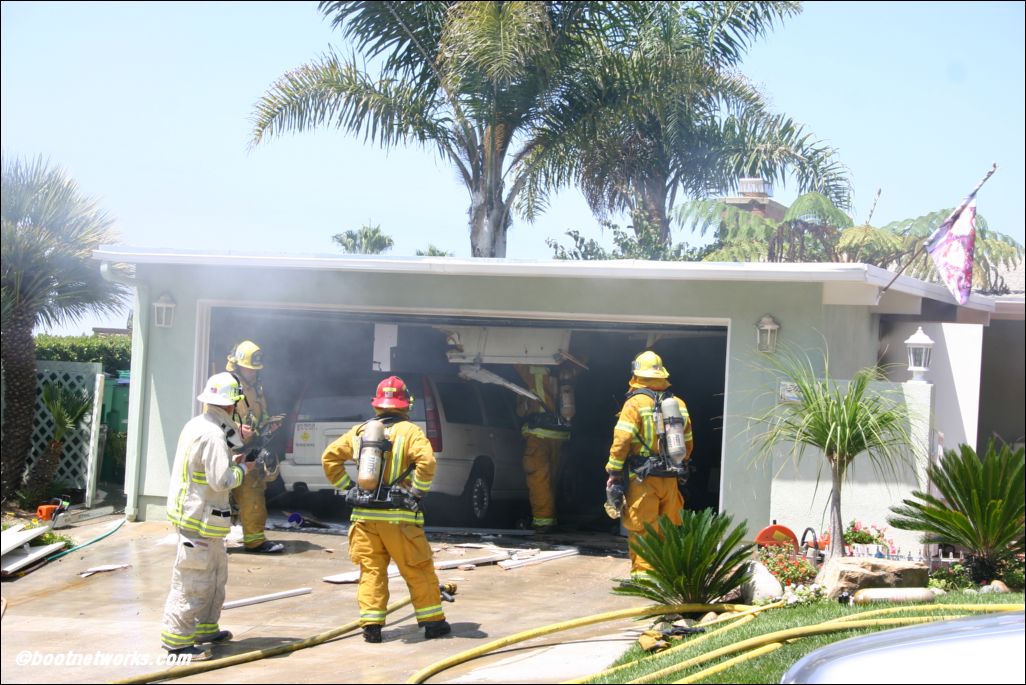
(232, 436)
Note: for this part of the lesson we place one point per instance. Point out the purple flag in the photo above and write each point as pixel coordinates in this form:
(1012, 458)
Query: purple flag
(952, 246)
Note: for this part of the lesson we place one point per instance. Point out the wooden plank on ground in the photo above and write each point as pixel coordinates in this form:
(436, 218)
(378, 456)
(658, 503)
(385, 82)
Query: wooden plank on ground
(19, 537)
(539, 558)
(18, 559)
(393, 570)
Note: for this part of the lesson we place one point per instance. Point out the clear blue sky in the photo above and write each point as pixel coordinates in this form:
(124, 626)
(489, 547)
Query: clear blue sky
(148, 106)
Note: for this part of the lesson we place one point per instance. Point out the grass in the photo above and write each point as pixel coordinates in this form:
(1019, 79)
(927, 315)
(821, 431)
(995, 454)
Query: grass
(770, 667)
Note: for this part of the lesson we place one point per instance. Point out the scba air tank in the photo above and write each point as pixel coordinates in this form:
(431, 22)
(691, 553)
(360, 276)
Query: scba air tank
(372, 455)
(674, 426)
(567, 403)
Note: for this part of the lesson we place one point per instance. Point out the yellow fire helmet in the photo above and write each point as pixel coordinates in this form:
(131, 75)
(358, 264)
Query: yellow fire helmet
(648, 364)
(246, 354)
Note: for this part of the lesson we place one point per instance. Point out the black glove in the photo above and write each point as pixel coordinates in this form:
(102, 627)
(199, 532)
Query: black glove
(615, 497)
(407, 499)
(353, 497)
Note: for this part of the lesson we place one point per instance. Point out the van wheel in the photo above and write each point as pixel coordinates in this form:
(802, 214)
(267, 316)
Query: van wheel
(476, 500)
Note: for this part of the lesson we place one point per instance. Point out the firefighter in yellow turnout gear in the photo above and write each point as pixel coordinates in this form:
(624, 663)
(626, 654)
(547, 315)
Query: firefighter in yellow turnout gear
(635, 453)
(254, 420)
(396, 465)
(544, 436)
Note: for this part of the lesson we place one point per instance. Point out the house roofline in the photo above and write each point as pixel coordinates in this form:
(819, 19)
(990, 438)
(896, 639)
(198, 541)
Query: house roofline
(613, 269)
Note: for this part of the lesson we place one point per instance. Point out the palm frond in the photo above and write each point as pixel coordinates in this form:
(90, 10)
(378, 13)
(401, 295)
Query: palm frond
(980, 508)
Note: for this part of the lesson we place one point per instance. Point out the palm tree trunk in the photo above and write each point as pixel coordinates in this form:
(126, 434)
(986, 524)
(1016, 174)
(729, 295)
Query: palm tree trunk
(44, 471)
(836, 526)
(489, 219)
(18, 354)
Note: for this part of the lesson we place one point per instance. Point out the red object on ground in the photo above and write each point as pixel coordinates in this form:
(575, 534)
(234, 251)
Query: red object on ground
(777, 535)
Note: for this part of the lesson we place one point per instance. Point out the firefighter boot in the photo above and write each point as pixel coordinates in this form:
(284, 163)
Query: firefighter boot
(434, 629)
(372, 633)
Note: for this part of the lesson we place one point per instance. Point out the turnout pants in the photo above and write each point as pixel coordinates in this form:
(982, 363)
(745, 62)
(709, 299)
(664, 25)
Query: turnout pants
(198, 579)
(372, 544)
(646, 501)
(249, 498)
(541, 463)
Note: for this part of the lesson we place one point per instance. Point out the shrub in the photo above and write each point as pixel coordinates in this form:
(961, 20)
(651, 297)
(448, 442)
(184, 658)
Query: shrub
(692, 563)
(981, 507)
(951, 578)
(858, 534)
(785, 567)
(113, 351)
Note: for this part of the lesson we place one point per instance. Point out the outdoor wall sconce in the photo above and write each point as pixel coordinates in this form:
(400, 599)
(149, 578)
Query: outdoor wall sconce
(766, 334)
(920, 347)
(164, 311)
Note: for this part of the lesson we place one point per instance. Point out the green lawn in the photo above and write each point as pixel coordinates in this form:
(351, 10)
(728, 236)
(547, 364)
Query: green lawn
(770, 667)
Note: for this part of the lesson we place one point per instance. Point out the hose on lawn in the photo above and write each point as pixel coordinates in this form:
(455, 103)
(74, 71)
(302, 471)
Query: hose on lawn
(651, 610)
(192, 669)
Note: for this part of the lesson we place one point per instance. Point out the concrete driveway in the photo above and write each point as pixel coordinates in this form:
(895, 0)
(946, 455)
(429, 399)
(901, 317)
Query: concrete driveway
(58, 625)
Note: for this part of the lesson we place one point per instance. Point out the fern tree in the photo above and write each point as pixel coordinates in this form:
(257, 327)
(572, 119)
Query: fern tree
(981, 507)
(842, 420)
(67, 409)
(696, 562)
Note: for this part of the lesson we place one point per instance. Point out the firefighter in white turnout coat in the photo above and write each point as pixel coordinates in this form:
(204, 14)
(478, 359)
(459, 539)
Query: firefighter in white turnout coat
(203, 474)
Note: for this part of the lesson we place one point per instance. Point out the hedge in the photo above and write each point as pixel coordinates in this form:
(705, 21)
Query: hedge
(113, 351)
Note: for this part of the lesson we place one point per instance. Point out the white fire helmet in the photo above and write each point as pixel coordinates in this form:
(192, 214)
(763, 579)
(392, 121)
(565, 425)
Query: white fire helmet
(221, 389)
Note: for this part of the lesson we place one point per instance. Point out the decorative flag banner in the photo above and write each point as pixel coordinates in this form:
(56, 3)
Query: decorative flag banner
(952, 246)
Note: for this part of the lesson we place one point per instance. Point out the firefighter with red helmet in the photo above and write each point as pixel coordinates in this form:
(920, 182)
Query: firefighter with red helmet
(395, 467)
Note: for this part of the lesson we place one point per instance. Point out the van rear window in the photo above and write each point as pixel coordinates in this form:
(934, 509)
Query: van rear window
(352, 404)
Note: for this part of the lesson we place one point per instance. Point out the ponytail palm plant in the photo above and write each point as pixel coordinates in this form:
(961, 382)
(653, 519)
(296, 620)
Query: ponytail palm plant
(842, 420)
(981, 507)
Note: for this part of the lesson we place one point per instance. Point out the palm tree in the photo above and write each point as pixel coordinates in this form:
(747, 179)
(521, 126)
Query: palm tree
(492, 85)
(433, 251)
(368, 240)
(49, 233)
(814, 229)
(667, 113)
(67, 408)
(842, 420)
(981, 507)
(465, 77)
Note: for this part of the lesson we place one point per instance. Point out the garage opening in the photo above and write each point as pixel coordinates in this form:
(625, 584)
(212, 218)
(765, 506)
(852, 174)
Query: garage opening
(320, 367)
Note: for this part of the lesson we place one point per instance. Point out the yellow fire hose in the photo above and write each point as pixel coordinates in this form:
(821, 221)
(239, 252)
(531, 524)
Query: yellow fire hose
(742, 618)
(758, 644)
(192, 669)
(652, 610)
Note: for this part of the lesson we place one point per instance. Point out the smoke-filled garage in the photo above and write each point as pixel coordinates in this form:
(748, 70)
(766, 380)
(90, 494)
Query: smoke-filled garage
(321, 367)
(331, 326)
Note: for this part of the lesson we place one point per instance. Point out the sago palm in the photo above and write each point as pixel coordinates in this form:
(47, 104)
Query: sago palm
(49, 232)
(695, 562)
(980, 507)
(842, 420)
(67, 409)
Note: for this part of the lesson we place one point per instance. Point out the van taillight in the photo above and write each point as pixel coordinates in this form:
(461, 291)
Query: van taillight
(431, 420)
